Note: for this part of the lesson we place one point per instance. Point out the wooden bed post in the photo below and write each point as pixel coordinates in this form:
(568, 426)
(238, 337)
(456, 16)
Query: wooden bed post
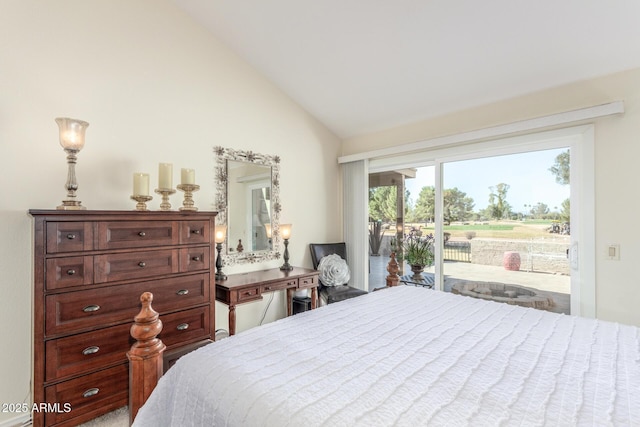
(393, 268)
(145, 356)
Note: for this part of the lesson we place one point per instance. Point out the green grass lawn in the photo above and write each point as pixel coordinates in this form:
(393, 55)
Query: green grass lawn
(476, 227)
(496, 229)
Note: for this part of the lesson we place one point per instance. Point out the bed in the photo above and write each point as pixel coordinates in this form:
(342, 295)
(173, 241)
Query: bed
(408, 356)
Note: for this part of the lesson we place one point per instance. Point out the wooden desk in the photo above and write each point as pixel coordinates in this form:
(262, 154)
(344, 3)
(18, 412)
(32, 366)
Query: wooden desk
(248, 287)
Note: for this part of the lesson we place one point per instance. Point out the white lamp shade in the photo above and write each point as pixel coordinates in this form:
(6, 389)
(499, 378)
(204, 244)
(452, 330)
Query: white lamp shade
(221, 233)
(71, 133)
(285, 230)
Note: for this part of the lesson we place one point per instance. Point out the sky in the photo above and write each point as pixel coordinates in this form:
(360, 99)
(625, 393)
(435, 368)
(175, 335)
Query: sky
(527, 175)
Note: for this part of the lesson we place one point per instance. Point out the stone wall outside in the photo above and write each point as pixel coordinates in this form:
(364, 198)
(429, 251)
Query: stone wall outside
(536, 255)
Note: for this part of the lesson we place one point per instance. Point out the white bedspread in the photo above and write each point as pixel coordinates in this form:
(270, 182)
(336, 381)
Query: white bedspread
(409, 356)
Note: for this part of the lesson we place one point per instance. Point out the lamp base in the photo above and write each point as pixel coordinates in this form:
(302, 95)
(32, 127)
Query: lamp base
(71, 205)
(221, 276)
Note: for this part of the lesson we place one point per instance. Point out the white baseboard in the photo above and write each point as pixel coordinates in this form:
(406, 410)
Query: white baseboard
(21, 421)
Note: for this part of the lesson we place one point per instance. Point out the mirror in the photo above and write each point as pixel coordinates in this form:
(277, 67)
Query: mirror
(247, 201)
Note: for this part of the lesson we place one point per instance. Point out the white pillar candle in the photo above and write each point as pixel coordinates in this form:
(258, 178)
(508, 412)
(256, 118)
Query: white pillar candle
(188, 176)
(140, 184)
(165, 176)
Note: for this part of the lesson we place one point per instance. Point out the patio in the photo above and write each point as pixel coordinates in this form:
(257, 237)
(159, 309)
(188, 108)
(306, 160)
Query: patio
(555, 286)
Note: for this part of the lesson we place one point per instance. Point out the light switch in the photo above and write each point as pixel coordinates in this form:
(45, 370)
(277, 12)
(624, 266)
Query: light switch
(613, 252)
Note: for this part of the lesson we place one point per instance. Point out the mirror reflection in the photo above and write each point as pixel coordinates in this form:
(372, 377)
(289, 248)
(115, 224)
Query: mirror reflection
(247, 201)
(249, 206)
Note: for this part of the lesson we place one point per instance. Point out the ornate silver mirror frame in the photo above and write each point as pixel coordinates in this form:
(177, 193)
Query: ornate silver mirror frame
(223, 156)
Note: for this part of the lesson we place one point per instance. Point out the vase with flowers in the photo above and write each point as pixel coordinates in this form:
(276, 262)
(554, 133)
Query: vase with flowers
(418, 253)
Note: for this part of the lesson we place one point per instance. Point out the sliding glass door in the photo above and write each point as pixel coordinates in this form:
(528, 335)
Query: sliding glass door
(507, 219)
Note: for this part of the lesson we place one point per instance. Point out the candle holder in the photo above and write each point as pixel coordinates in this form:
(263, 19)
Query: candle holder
(187, 204)
(142, 202)
(165, 192)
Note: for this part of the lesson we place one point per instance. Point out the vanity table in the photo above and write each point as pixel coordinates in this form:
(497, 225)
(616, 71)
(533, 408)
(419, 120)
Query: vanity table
(248, 287)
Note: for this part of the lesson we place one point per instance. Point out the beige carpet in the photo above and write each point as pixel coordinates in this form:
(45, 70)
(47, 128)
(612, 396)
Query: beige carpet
(117, 418)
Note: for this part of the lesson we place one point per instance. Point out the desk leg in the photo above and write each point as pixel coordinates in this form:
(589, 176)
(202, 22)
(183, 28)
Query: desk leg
(289, 301)
(232, 320)
(314, 297)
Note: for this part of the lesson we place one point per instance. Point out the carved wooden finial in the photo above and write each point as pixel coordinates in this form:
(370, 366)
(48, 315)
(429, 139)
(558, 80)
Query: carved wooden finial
(146, 328)
(145, 356)
(393, 268)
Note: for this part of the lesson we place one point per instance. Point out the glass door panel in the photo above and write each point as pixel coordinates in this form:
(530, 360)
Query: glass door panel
(506, 229)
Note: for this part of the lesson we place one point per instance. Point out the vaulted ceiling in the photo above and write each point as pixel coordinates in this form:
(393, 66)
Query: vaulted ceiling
(360, 66)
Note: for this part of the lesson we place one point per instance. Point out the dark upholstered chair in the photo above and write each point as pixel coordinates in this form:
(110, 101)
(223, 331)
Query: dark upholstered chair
(332, 293)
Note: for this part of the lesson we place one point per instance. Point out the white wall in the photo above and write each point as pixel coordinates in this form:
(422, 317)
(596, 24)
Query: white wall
(617, 150)
(155, 87)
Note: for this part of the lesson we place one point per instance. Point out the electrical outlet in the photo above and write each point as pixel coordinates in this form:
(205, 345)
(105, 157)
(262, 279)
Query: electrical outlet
(613, 252)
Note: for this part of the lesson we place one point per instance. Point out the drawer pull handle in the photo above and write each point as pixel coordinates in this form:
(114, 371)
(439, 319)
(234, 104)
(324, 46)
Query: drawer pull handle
(91, 392)
(195, 231)
(182, 326)
(195, 258)
(142, 264)
(267, 288)
(248, 293)
(91, 350)
(71, 272)
(182, 292)
(91, 308)
(71, 236)
(142, 234)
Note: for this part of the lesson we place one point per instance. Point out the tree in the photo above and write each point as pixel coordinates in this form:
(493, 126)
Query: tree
(498, 206)
(539, 210)
(562, 168)
(565, 213)
(383, 204)
(457, 206)
(425, 208)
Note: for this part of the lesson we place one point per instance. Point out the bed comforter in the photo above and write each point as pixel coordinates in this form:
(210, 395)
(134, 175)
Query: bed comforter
(409, 356)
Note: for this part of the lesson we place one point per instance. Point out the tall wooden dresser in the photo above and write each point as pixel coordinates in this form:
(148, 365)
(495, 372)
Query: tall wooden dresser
(90, 268)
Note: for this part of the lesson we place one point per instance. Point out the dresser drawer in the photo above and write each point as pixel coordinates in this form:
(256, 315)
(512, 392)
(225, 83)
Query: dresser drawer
(69, 236)
(195, 259)
(249, 294)
(84, 309)
(194, 232)
(308, 282)
(137, 234)
(95, 392)
(81, 353)
(69, 271)
(185, 326)
(178, 292)
(276, 286)
(134, 265)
